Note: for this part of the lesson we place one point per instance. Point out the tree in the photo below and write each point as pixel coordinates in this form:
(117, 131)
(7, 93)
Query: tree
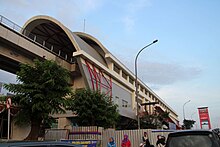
(155, 120)
(40, 92)
(188, 124)
(94, 108)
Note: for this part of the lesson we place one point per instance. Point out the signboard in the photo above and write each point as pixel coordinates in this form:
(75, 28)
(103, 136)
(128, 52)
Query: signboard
(85, 143)
(204, 118)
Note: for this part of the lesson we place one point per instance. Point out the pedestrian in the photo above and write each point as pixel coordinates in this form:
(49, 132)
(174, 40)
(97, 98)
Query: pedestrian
(146, 140)
(125, 142)
(160, 141)
(111, 142)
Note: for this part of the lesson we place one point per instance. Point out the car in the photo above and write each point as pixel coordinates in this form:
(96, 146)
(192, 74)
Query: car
(217, 131)
(37, 144)
(193, 138)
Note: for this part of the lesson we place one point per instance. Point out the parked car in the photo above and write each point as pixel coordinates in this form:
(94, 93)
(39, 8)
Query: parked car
(193, 138)
(38, 144)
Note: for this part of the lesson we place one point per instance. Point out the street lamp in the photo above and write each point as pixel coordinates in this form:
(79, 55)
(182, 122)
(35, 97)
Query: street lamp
(184, 109)
(136, 83)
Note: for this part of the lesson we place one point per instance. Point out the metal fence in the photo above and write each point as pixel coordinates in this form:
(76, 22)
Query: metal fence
(98, 133)
(56, 134)
(86, 133)
(135, 136)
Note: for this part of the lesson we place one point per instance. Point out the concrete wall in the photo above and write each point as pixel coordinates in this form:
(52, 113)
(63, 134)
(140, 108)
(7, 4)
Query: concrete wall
(64, 123)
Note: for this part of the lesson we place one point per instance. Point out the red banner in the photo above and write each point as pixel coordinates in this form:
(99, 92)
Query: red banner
(204, 118)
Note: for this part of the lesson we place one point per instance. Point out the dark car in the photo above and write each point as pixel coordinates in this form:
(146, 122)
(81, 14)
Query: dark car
(38, 144)
(193, 138)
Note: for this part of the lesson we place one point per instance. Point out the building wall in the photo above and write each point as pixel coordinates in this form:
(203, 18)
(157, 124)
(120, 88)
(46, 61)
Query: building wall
(64, 123)
(123, 98)
(77, 83)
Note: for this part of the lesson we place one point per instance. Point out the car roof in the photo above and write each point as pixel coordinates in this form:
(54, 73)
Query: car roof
(190, 132)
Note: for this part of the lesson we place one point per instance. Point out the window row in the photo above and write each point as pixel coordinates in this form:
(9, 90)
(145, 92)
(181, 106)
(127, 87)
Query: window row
(142, 88)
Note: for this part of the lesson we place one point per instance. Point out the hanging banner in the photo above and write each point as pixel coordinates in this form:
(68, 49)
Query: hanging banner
(204, 118)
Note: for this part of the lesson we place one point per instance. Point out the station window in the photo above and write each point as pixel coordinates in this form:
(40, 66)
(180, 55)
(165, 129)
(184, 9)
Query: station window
(116, 69)
(124, 75)
(142, 89)
(146, 92)
(131, 80)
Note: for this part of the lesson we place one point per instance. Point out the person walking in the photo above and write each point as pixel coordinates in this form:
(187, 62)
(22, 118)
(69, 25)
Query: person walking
(161, 141)
(146, 140)
(125, 142)
(111, 142)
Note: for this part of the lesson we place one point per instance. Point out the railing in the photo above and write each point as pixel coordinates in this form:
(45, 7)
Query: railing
(86, 133)
(56, 134)
(27, 34)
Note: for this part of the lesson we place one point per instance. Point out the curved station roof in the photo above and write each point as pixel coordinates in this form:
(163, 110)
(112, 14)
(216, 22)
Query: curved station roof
(54, 35)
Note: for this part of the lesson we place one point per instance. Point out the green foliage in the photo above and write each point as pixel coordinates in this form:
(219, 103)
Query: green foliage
(188, 124)
(41, 91)
(94, 108)
(154, 121)
(3, 98)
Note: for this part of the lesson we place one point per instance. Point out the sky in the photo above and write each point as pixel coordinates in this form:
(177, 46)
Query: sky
(183, 65)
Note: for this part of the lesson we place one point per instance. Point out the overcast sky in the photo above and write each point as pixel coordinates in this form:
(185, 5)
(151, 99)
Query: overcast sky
(185, 63)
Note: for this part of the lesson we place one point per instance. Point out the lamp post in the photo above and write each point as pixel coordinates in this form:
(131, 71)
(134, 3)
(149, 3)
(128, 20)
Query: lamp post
(136, 83)
(184, 109)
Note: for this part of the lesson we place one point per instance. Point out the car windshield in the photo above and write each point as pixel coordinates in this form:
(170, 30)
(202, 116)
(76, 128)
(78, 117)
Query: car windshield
(191, 141)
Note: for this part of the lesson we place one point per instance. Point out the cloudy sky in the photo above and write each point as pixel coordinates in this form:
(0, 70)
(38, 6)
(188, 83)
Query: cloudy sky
(185, 63)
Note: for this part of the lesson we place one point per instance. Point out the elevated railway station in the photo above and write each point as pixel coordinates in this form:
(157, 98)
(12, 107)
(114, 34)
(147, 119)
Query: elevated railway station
(91, 65)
